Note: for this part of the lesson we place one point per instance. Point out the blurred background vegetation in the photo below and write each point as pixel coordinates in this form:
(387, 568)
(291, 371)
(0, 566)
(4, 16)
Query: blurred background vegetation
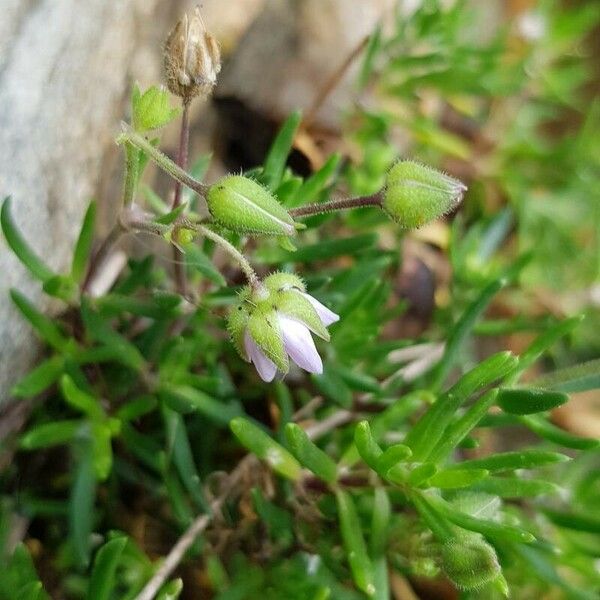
(118, 439)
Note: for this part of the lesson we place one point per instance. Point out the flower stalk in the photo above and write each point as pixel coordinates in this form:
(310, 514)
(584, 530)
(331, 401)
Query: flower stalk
(162, 160)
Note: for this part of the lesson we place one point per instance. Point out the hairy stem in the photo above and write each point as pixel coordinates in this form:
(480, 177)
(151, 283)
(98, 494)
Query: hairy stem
(132, 166)
(162, 160)
(182, 159)
(334, 205)
(233, 252)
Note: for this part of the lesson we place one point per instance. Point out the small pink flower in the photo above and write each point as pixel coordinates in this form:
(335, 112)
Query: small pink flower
(271, 326)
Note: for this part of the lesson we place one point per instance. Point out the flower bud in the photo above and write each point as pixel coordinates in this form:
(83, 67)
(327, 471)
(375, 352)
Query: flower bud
(243, 205)
(470, 562)
(416, 194)
(192, 58)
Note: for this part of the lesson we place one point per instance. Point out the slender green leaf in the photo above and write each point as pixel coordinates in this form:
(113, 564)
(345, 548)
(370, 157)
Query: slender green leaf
(80, 400)
(50, 434)
(526, 401)
(462, 329)
(106, 561)
(573, 520)
(391, 457)
(45, 327)
(491, 529)
(183, 458)
(125, 352)
(276, 159)
(266, 448)
(81, 504)
(456, 478)
(578, 378)
(309, 454)
(522, 459)
(513, 487)
(171, 590)
(354, 544)
(185, 399)
(39, 379)
(83, 246)
(19, 246)
(380, 522)
(366, 445)
(458, 430)
(546, 430)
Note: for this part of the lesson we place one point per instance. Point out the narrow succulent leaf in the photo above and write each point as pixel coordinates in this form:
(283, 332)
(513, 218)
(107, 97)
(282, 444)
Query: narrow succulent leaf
(491, 529)
(449, 479)
(19, 246)
(440, 526)
(83, 247)
(182, 457)
(101, 331)
(578, 378)
(187, 399)
(354, 544)
(457, 431)
(137, 407)
(526, 401)
(80, 400)
(393, 455)
(276, 159)
(44, 326)
(431, 426)
(81, 504)
(103, 577)
(542, 427)
(366, 445)
(50, 434)
(380, 522)
(543, 342)
(462, 329)
(522, 459)
(101, 434)
(39, 379)
(573, 520)
(266, 448)
(419, 474)
(171, 590)
(513, 487)
(309, 454)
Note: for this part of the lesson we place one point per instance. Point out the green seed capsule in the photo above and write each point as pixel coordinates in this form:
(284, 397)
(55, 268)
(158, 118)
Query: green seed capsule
(470, 562)
(241, 204)
(416, 194)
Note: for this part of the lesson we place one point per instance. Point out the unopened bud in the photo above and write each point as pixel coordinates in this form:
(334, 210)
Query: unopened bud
(192, 58)
(416, 194)
(241, 204)
(470, 562)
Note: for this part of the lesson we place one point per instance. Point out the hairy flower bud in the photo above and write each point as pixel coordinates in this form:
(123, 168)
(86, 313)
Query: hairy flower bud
(470, 562)
(273, 323)
(192, 58)
(243, 205)
(416, 194)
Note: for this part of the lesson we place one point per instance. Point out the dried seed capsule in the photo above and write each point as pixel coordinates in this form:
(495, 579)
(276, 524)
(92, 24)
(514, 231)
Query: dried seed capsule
(192, 58)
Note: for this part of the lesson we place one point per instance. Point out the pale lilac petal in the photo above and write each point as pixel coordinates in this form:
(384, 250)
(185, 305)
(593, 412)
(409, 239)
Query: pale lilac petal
(264, 365)
(327, 316)
(299, 345)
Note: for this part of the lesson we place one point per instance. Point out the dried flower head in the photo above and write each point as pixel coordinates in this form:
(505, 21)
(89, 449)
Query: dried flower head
(192, 58)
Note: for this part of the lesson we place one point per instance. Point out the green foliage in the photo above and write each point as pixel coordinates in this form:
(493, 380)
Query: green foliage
(393, 462)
